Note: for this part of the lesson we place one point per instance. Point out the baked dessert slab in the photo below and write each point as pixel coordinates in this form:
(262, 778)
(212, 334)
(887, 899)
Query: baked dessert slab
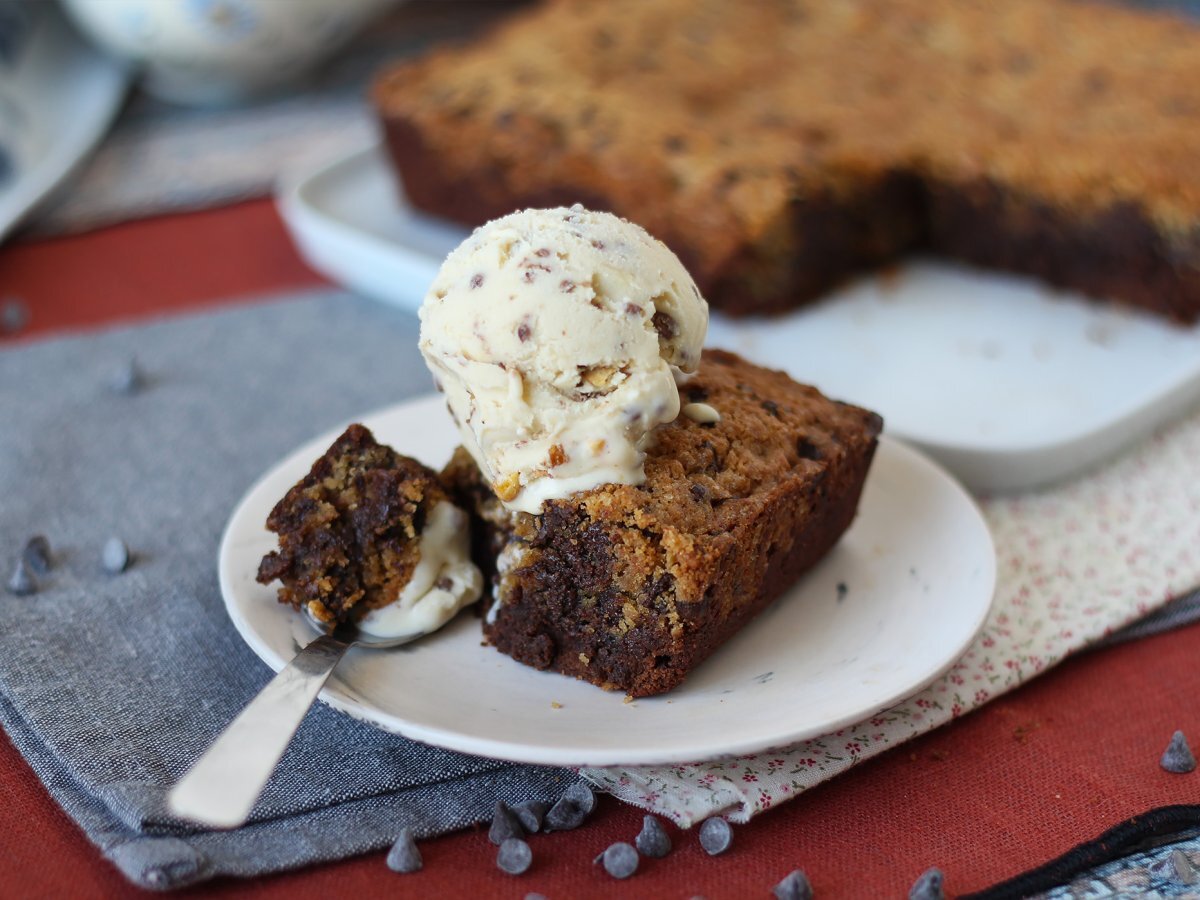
(631, 587)
(779, 148)
(349, 530)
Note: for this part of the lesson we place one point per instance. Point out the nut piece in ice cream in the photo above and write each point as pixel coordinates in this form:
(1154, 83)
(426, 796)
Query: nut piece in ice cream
(557, 336)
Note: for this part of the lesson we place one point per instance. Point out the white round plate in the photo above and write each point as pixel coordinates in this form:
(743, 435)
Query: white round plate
(884, 614)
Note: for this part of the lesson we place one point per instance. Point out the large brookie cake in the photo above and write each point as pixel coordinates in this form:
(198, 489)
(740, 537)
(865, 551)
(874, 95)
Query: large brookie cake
(780, 147)
(630, 587)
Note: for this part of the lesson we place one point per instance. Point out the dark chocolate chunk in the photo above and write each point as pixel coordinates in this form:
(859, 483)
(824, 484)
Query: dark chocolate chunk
(531, 814)
(128, 379)
(572, 809)
(115, 557)
(715, 836)
(22, 582)
(928, 886)
(504, 825)
(620, 860)
(514, 857)
(795, 886)
(652, 841)
(37, 554)
(1178, 756)
(404, 857)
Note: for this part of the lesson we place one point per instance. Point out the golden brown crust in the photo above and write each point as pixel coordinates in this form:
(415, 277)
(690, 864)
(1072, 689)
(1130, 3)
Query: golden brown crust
(732, 130)
(631, 586)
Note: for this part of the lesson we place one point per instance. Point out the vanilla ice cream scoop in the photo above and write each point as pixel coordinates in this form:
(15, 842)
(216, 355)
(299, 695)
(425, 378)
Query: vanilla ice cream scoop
(557, 335)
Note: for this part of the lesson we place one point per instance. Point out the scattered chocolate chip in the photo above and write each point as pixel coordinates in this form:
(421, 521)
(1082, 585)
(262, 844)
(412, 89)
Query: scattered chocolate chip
(567, 286)
(531, 814)
(22, 582)
(477, 280)
(599, 245)
(715, 836)
(1178, 756)
(37, 554)
(1176, 868)
(673, 143)
(404, 857)
(542, 252)
(523, 332)
(928, 886)
(632, 309)
(664, 325)
(115, 557)
(504, 825)
(699, 492)
(620, 860)
(514, 857)
(572, 809)
(128, 379)
(772, 407)
(652, 841)
(795, 886)
(14, 315)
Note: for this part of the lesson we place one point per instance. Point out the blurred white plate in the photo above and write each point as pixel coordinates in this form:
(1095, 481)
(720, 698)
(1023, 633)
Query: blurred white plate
(887, 611)
(1006, 382)
(58, 96)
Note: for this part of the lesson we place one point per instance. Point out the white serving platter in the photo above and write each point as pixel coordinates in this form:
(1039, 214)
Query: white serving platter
(1008, 383)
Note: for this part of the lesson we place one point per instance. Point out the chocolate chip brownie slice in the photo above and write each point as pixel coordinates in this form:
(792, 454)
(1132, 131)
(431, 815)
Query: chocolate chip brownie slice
(349, 530)
(631, 587)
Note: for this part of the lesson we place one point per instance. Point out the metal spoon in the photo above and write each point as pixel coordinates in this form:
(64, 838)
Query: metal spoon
(222, 786)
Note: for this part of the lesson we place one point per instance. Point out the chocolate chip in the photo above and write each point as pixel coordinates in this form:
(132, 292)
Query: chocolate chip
(514, 857)
(699, 492)
(523, 332)
(504, 825)
(599, 245)
(795, 886)
(928, 886)
(567, 286)
(37, 554)
(22, 583)
(477, 280)
(128, 379)
(572, 809)
(673, 143)
(531, 814)
(115, 557)
(542, 252)
(620, 860)
(652, 841)
(404, 857)
(715, 836)
(14, 315)
(772, 407)
(1178, 756)
(665, 326)
(697, 394)
(806, 449)
(632, 309)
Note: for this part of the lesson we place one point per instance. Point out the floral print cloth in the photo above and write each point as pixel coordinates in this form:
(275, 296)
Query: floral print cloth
(1075, 562)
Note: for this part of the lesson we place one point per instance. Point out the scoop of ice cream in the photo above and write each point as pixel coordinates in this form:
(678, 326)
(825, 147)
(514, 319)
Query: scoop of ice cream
(557, 336)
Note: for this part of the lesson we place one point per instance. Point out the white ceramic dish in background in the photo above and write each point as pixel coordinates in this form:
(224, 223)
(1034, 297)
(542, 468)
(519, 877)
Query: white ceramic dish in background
(58, 96)
(1009, 384)
(222, 51)
(890, 609)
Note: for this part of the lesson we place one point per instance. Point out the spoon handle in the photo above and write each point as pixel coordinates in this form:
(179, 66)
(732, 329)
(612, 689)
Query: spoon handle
(221, 787)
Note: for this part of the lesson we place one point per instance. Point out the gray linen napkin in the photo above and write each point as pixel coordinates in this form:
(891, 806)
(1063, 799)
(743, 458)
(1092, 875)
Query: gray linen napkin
(110, 685)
